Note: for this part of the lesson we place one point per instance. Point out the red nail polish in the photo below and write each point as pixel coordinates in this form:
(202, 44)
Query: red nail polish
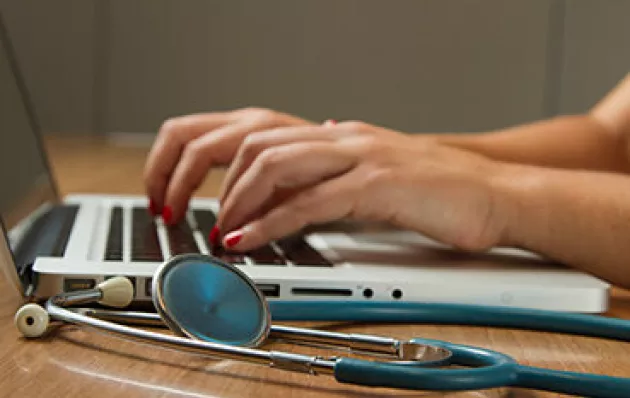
(213, 236)
(330, 122)
(233, 238)
(167, 214)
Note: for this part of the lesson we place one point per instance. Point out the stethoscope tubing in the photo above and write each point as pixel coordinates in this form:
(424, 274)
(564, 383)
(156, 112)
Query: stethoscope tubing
(498, 369)
(491, 369)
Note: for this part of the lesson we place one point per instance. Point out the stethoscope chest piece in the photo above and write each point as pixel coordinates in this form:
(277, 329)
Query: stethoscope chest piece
(211, 302)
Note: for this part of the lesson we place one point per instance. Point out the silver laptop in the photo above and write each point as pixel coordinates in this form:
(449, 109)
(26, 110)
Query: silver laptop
(54, 244)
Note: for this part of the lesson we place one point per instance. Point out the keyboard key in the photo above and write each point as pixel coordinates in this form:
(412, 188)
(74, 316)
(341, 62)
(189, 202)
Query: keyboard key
(205, 222)
(266, 255)
(114, 248)
(148, 286)
(145, 245)
(229, 257)
(181, 239)
(301, 253)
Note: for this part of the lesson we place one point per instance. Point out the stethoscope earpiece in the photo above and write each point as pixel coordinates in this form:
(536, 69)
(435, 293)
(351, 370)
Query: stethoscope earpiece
(32, 320)
(116, 292)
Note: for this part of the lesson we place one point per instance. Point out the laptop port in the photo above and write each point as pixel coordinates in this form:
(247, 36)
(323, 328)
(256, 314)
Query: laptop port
(74, 284)
(313, 291)
(368, 293)
(397, 294)
(148, 285)
(269, 290)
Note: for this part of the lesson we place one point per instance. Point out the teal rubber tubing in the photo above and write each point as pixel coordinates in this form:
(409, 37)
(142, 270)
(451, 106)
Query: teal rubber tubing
(452, 314)
(489, 369)
(581, 384)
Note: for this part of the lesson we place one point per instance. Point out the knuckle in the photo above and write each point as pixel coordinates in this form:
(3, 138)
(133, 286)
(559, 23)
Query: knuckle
(170, 126)
(355, 125)
(260, 115)
(270, 159)
(252, 145)
(194, 150)
(252, 109)
(368, 145)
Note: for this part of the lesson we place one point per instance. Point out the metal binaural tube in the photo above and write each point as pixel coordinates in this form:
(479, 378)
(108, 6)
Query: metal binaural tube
(294, 362)
(358, 343)
(125, 317)
(77, 297)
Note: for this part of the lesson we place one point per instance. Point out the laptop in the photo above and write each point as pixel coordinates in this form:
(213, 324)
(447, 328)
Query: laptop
(52, 244)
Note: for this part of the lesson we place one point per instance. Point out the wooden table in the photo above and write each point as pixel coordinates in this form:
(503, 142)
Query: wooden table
(82, 363)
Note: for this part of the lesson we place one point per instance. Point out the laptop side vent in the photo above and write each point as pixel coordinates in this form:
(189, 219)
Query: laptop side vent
(48, 236)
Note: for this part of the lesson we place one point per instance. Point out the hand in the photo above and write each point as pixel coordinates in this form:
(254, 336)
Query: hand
(187, 147)
(284, 179)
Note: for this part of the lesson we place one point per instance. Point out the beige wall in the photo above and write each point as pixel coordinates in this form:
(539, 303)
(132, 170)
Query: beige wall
(415, 65)
(596, 51)
(55, 45)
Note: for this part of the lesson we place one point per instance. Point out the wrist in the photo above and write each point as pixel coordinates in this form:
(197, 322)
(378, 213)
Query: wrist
(519, 203)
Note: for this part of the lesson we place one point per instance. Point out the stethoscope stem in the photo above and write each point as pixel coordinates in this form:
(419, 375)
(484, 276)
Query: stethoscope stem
(280, 360)
(352, 342)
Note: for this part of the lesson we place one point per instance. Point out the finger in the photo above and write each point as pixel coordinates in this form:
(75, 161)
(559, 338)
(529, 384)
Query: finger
(293, 166)
(329, 201)
(168, 146)
(196, 159)
(253, 145)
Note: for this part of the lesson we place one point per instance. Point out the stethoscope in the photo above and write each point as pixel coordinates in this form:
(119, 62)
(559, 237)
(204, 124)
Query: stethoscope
(213, 308)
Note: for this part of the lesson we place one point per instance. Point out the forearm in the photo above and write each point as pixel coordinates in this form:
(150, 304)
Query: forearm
(577, 142)
(579, 218)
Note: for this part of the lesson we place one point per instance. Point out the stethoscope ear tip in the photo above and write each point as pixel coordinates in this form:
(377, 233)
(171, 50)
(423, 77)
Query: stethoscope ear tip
(116, 292)
(32, 320)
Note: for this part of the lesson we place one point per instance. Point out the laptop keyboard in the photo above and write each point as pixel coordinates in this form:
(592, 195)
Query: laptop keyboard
(114, 250)
(181, 240)
(145, 242)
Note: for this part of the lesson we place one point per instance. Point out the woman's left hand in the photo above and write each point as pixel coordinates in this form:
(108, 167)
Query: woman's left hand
(284, 179)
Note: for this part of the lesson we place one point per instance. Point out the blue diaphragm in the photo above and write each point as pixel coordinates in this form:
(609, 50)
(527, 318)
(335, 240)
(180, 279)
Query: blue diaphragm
(205, 298)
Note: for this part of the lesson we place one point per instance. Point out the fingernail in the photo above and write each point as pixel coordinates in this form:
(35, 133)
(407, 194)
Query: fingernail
(167, 214)
(233, 238)
(153, 208)
(213, 236)
(330, 122)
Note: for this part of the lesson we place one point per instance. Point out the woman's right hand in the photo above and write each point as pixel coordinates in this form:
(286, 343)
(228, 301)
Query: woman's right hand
(187, 147)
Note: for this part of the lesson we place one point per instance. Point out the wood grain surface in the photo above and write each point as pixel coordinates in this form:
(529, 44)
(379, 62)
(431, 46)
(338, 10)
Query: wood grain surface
(78, 362)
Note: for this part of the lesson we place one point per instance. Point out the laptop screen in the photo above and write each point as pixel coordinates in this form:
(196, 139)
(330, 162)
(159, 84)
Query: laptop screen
(25, 181)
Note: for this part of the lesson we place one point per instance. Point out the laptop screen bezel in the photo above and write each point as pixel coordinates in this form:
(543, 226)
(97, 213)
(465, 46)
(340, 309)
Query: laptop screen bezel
(7, 262)
(29, 108)
(7, 257)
